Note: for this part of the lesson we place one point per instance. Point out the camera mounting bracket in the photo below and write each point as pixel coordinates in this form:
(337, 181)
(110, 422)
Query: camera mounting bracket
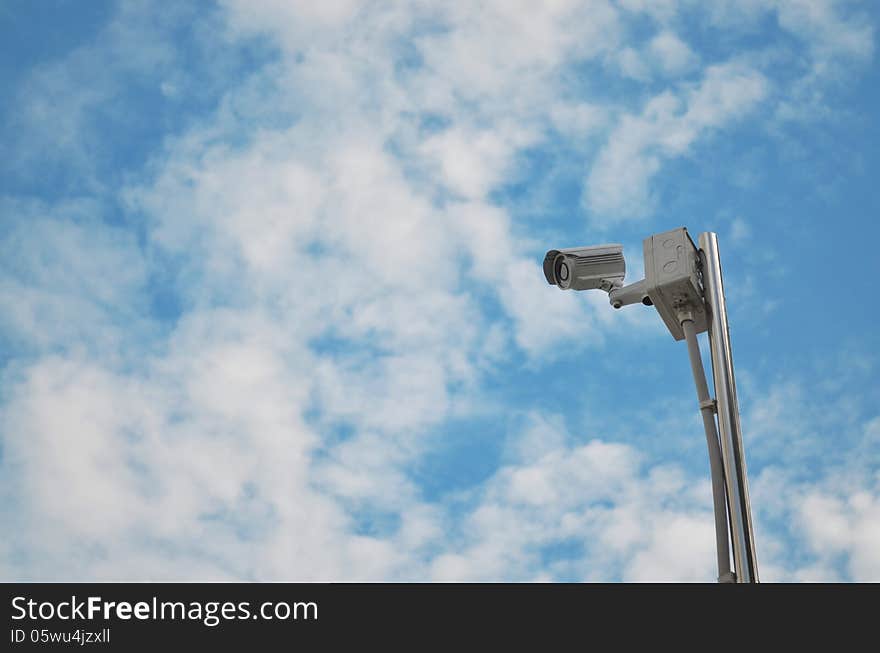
(672, 282)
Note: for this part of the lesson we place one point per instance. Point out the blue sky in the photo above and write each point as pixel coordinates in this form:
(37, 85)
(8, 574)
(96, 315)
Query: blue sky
(273, 306)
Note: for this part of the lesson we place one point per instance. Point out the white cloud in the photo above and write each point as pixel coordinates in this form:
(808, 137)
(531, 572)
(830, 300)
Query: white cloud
(579, 119)
(618, 185)
(673, 54)
(740, 231)
(68, 279)
(596, 497)
(65, 107)
(632, 65)
(824, 530)
(817, 501)
(299, 234)
(681, 549)
(829, 31)
(833, 31)
(470, 164)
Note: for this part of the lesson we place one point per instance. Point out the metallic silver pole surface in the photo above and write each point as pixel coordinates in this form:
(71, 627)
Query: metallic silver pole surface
(716, 467)
(732, 453)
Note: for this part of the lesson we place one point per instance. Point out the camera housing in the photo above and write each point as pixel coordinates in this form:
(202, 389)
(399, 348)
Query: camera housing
(600, 267)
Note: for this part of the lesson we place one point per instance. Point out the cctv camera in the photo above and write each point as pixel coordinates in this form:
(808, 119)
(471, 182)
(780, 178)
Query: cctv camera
(672, 280)
(586, 268)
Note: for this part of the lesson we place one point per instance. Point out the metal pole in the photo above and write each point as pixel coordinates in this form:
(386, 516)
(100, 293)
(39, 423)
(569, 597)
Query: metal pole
(733, 456)
(716, 467)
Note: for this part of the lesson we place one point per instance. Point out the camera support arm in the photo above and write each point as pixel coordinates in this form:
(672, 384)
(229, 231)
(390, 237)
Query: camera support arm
(631, 294)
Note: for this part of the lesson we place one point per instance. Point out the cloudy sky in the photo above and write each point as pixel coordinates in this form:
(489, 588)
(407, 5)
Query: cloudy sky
(271, 304)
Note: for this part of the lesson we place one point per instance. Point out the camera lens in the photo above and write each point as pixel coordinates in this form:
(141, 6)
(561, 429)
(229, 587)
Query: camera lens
(562, 272)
